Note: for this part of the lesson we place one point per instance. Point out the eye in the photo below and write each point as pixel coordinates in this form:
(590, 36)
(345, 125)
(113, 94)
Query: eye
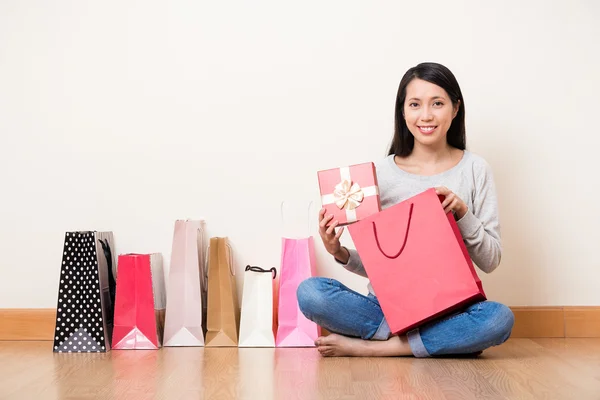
(413, 105)
(438, 104)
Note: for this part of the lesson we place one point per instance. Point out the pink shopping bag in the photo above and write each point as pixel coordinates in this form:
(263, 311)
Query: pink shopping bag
(417, 261)
(297, 264)
(185, 317)
(139, 302)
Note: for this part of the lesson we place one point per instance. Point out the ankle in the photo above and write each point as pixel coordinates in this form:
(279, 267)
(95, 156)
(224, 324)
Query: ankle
(394, 346)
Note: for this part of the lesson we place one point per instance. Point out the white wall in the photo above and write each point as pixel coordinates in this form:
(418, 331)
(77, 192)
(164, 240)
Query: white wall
(124, 116)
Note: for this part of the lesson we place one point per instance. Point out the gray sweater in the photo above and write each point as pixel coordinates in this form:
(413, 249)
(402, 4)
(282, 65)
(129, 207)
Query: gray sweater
(472, 180)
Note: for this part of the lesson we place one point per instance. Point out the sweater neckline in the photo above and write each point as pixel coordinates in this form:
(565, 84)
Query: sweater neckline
(405, 174)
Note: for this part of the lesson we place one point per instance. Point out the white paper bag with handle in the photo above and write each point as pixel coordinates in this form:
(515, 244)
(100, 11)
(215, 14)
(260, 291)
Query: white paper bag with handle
(257, 327)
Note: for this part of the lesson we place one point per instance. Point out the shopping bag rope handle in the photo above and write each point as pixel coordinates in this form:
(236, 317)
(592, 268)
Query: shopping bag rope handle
(259, 269)
(410, 210)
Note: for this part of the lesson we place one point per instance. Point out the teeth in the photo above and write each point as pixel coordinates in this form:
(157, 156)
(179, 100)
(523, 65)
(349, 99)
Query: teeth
(427, 128)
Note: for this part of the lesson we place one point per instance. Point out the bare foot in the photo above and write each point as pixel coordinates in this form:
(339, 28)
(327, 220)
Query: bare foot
(336, 345)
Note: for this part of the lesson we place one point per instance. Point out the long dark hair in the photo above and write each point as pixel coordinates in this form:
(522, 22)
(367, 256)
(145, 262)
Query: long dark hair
(404, 142)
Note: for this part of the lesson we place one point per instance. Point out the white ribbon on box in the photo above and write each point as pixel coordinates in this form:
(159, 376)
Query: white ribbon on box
(347, 195)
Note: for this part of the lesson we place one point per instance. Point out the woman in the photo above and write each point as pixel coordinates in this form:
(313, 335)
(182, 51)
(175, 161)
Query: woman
(428, 150)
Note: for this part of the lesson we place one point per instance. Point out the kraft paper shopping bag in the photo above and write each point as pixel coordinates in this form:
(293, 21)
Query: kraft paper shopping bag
(223, 308)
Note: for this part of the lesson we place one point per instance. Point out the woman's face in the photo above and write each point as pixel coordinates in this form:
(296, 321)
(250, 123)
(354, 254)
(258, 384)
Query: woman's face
(428, 112)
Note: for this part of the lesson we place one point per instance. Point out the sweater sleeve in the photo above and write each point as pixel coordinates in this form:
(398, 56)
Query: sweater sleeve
(354, 263)
(480, 226)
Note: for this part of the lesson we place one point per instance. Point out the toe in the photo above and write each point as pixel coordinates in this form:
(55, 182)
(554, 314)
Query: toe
(328, 340)
(320, 341)
(327, 352)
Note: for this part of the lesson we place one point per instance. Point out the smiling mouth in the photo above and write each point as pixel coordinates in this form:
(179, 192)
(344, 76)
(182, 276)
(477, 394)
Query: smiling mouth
(427, 129)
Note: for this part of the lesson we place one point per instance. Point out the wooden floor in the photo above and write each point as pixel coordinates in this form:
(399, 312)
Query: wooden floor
(519, 369)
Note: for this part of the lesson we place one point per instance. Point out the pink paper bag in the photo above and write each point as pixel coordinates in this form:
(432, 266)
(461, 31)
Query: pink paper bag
(297, 264)
(186, 295)
(139, 302)
(417, 261)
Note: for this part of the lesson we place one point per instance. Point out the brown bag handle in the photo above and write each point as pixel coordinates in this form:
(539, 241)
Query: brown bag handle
(410, 210)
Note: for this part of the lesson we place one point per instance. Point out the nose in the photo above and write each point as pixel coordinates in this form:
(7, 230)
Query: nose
(426, 114)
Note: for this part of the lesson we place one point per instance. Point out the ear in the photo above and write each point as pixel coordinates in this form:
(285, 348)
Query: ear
(456, 108)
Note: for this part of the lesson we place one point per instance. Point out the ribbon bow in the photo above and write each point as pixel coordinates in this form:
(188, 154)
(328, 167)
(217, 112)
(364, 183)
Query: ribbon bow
(348, 195)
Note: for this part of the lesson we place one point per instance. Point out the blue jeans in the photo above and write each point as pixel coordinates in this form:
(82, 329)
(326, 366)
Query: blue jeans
(341, 310)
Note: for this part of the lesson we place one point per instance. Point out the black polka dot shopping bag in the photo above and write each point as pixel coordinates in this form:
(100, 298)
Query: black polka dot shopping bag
(86, 293)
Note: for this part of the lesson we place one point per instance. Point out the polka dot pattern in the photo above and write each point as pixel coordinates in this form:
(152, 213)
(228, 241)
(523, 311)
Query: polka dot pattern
(79, 311)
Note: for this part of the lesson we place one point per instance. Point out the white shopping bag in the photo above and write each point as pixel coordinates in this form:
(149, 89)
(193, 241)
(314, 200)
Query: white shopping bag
(257, 323)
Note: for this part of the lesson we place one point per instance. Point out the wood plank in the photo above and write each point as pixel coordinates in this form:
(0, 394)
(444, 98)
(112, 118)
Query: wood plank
(576, 384)
(518, 369)
(459, 381)
(391, 378)
(296, 373)
(536, 371)
(421, 382)
(582, 322)
(27, 323)
(581, 353)
(500, 379)
(533, 322)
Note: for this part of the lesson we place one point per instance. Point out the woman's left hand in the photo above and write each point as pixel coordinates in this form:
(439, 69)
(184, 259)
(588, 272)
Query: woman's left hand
(452, 202)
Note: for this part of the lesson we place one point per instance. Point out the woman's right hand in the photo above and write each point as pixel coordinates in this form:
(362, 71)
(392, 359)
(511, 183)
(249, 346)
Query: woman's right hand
(331, 239)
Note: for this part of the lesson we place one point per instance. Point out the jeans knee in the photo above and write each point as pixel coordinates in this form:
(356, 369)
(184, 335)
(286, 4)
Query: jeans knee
(311, 297)
(500, 321)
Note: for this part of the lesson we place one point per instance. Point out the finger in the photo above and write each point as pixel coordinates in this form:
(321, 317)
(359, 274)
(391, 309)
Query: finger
(331, 228)
(451, 206)
(339, 233)
(448, 208)
(441, 190)
(449, 199)
(322, 215)
(325, 221)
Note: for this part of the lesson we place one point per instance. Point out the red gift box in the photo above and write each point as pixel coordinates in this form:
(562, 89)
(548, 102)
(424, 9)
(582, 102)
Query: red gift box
(417, 262)
(350, 193)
